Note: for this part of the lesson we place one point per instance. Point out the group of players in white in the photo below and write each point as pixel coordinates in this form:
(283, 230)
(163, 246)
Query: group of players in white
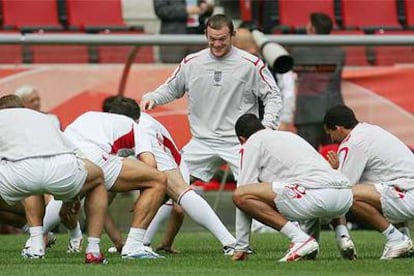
(282, 181)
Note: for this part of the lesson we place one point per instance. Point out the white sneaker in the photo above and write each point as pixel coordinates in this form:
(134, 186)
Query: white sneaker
(75, 245)
(300, 250)
(28, 253)
(397, 249)
(346, 248)
(143, 252)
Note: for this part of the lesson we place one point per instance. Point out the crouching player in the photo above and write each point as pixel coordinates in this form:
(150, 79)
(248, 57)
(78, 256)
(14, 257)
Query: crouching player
(36, 158)
(283, 179)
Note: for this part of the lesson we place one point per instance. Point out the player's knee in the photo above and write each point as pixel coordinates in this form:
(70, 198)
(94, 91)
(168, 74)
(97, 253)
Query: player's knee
(239, 196)
(160, 182)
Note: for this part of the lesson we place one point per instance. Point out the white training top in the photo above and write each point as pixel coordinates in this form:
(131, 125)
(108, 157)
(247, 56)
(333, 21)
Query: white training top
(283, 157)
(26, 133)
(155, 138)
(110, 132)
(220, 90)
(372, 154)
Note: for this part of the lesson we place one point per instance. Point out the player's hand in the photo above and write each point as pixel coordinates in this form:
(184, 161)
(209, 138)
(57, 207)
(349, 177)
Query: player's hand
(147, 104)
(239, 256)
(333, 159)
(167, 249)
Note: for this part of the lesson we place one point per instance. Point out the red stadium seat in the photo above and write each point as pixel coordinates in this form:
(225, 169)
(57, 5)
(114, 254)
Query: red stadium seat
(409, 13)
(11, 54)
(295, 14)
(119, 54)
(59, 53)
(369, 15)
(355, 55)
(95, 15)
(390, 55)
(29, 15)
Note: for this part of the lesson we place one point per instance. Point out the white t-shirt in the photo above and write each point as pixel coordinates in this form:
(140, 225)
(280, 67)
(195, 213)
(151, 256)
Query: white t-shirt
(220, 90)
(27, 133)
(372, 154)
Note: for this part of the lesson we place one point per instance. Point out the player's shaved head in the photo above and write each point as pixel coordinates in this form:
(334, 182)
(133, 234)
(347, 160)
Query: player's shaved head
(10, 101)
(245, 41)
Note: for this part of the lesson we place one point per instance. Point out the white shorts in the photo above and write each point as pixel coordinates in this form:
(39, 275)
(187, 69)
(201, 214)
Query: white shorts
(204, 157)
(297, 203)
(62, 176)
(110, 164)
(397, 206)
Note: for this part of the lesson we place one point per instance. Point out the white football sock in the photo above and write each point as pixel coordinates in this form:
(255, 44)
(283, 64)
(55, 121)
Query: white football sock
(134, 240)
(392, 234)
(93, 246)
(199, 210)
(36, 240)
(163, 213)
(76, 232)
(294, 233)
(341, 230)
(51, 218)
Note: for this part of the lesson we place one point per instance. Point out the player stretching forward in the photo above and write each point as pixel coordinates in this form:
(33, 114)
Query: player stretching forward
(156, 147)
(36, 158)
(383, 168)
(283, 179)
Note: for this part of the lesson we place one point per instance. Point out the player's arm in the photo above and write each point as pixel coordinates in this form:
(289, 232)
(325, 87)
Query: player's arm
(172, 89)
(248, 173)
(270, 94)
(352, 161)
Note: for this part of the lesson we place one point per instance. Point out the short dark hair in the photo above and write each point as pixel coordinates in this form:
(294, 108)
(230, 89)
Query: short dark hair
(125, 106)
(340, 115)
(247, 125)
(219, 21)
(107, 103)
(10, 101)
(321, 22)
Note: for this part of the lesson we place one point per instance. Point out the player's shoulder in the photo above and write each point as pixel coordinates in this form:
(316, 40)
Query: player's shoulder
(247, 57)
(194, 57)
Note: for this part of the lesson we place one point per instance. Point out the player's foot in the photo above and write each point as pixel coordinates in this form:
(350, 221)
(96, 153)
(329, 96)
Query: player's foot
(228, 250)
(397, 249)
(346, 248)
(50, 239)
(143, 252)
(28, 253)
(75, 245)
(91, 258)
(300, 250)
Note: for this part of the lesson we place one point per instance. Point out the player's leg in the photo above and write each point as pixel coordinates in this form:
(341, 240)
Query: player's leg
(197, 207)
(258, 201)
(367, 207)
(163, 213)
(96, 203)
(174, 224)
(112, 229)
(136, 175)
(35, 209)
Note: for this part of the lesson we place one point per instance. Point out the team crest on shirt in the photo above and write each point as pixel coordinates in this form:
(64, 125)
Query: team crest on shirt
(217, 77)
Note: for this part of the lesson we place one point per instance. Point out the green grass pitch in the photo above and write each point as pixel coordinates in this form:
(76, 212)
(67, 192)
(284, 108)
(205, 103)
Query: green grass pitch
(201, 255)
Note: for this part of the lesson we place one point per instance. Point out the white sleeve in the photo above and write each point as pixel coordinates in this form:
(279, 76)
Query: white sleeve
(248, 174)
(352, 161)
(286, 83)
(172, 89)
(143, 141)
(270, 94)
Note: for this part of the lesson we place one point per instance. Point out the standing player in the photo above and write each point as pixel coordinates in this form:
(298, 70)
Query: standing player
(99, 136)
(383, 168)
(283, 179)
(36, 158)
(222, 82)
(157, 148)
